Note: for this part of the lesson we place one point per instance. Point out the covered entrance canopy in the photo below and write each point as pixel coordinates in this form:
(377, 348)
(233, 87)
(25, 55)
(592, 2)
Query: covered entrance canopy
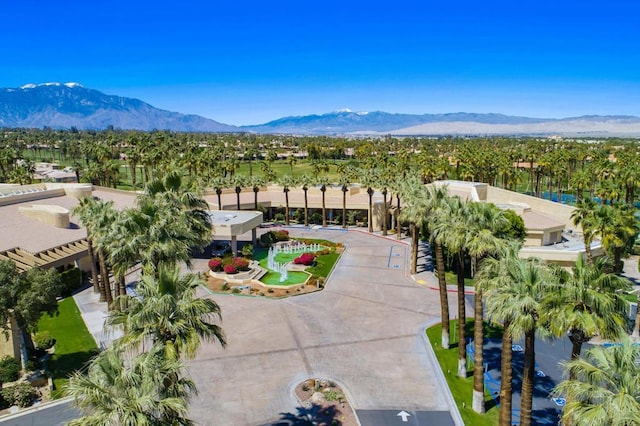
(228, 224)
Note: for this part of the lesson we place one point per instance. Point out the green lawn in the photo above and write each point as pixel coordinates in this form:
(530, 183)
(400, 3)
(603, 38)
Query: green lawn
(452, 279)
(322, 268)
(74, 344)
(462, 389)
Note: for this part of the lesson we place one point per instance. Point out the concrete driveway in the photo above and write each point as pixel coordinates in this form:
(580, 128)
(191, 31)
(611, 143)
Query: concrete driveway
(364, 331)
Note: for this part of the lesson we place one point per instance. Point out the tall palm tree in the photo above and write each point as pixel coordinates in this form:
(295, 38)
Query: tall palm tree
(305, 182)
(514, 295)
(239, 182)
(605, 388)
(323, 181)
(369, 178)
(451, 228)
(256, 182)
(85, 212)
(484, 222)
(168, 312)
(584, 216)
(287, 182)
(145, 390)
(586, 303)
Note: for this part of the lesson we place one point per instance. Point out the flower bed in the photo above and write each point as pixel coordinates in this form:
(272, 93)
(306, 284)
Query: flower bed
(306, 259)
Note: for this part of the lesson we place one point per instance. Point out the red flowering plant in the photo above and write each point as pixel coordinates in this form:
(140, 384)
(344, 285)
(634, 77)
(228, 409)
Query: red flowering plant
(230, 269)
(240, 263)
(305, 259)
(215, 264)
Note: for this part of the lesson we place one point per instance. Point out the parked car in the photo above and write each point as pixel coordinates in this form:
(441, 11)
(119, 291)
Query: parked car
(220, 248)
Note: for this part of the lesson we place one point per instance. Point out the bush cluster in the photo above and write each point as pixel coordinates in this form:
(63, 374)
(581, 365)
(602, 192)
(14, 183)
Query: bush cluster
(230, 269)
(271, 237)
(43, 341)
(240, 263)
(9, 369)
(305, 259)
(215, 264)
(22, 394)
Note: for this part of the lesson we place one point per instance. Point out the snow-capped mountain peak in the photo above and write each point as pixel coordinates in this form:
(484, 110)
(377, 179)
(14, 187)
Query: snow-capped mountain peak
(70, 85)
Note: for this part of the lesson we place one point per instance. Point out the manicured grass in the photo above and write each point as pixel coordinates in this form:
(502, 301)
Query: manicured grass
(452, 279)
(462, 389)
(631, 297)
(323, 265)
(293, 277)
(74, 344)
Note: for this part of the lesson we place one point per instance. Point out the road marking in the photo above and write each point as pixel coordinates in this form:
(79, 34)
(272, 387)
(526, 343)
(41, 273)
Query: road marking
(423, 282)
(405, 416)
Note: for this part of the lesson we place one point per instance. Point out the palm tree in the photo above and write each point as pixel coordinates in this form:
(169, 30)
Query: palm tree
(484, 222)
(587, 303)
(514, 296)
(145, 390)
(239, 182)
(169, 221)
(584, 216)
(256, 182)
(369, 178)
(323, 181)
(287, 182)
(85, 212)
(605, 388)
(451, 229)
(168, 312)
(306, 181)
(219, 183)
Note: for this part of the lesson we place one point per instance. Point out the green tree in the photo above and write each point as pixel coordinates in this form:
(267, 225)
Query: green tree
(586, 303)
(169, 314)
(145, 390)
(514, 295)
(27, 296)
(604, 388)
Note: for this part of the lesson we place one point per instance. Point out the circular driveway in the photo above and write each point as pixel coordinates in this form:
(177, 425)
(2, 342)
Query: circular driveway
(364, 331)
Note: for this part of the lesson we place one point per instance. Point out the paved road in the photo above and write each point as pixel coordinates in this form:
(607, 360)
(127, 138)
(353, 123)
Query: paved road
(48, 415)
(402, 417)
(364, 331)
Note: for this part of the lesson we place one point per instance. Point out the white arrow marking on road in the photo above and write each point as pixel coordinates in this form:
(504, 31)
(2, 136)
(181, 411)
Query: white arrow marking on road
(405, 416)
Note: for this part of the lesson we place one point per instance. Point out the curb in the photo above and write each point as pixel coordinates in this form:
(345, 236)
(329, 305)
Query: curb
(453, 407)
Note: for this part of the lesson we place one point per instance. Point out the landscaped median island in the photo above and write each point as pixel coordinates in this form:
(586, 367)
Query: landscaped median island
(462, 389)
(281, 267)
(323, 403)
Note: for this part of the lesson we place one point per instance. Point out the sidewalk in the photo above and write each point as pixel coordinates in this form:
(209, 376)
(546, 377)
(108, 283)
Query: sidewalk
(94, 314)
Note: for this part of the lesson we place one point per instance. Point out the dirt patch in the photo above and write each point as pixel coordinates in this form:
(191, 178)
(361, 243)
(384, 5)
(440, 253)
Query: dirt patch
(218, 285)
(324, 403)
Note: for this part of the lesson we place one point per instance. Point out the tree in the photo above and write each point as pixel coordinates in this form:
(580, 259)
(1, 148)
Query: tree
(287, 182)
(85, 212)
(168, 222)
(514, 296)
(306, 181)
(27, 296)
(144, 390)
(451, 229)
(323, 181)
(256, 182)
(168, 312)
(587, 303)
(369, 178)
(584, 216)
(485, 221)
(604, 388)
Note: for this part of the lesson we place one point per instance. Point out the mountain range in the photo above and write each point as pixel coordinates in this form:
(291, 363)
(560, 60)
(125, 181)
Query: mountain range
(66, 105)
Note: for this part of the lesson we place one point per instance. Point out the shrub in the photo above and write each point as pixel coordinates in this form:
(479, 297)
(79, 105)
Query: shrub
(23, 395)
(215, 264)
(282, 235)
(32, 365)
(71, 281)
(9, 369)
(230, 269)
(240, 263)
(43, 341)
(247, 250)
(268, 238)
(305, 259)
(235, 291)
(225, 286)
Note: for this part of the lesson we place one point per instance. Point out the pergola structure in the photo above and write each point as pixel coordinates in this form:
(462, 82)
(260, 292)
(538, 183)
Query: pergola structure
(51, 258)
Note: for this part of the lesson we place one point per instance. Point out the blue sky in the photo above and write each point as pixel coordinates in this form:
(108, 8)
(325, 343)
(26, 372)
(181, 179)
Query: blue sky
(243, 62)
